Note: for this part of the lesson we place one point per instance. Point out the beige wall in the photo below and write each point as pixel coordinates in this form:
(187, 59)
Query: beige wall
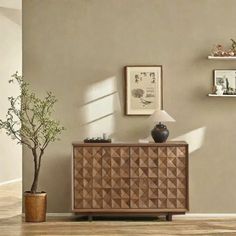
(10, 62)
(78, 48)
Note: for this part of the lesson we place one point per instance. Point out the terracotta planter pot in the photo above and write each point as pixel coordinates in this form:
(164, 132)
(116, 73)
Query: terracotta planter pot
(35, 206)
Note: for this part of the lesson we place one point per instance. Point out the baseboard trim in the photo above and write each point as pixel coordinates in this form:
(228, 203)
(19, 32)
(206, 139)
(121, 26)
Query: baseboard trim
(56, 214)
(207, 215)
(11, 181)
(60, 214)
(187, 215)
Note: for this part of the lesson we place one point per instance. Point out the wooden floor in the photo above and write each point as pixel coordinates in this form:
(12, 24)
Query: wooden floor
(10, 200)
(11, 223)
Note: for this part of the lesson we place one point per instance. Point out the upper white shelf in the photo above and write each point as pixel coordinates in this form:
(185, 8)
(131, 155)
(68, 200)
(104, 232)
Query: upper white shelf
(221, 58)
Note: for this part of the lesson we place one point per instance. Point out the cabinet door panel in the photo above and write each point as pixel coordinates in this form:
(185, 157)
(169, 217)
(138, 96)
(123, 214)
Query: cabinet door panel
(101, 177)
(158, 177)
(143, 174)
(172, 177)
(116, 167)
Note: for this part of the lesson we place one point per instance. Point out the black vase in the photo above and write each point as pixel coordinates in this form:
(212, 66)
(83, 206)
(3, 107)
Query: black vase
(160, 133)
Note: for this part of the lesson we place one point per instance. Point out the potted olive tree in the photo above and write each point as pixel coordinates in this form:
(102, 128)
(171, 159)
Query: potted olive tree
(29, 121)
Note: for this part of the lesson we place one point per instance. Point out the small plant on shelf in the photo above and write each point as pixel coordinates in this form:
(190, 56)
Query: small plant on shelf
(29, 121)
(233, 46)
(220, 51)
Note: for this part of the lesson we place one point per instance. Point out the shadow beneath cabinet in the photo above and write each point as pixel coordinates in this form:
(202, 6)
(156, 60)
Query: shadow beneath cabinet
(120, 218)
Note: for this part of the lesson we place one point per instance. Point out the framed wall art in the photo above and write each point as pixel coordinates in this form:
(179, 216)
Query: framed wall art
(143, 89)
(226, 79)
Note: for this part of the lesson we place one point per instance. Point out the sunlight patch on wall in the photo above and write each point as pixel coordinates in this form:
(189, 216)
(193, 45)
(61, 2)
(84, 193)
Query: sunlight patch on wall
(13, 4)
(99, 108)
(101, 105)
(100, 89)
(194, 138)
(103, 125)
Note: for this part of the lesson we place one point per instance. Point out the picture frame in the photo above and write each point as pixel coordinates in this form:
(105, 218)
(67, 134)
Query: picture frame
(143, 89)
(226, 79)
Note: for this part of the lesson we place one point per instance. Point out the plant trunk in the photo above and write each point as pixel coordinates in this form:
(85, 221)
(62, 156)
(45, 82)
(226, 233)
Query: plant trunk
(35, 183)
(36, 171)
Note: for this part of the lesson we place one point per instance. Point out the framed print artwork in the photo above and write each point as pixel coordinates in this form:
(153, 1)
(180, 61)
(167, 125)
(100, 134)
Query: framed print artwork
(226, 79)
(143, 89)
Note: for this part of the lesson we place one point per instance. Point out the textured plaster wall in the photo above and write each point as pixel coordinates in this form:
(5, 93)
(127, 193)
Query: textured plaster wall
(10, 62)
(78, 48)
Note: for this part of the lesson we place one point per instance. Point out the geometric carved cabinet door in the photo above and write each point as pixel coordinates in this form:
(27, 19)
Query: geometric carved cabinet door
(83, 162)
(143, 177)
(115, 177)
(101, 177)
(172, 177)
(158, 177)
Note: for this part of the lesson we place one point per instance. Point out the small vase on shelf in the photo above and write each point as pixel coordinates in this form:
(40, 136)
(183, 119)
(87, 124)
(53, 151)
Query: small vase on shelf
(219, 90)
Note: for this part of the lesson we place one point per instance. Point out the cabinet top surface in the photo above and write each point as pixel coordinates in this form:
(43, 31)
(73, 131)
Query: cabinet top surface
(170, 143)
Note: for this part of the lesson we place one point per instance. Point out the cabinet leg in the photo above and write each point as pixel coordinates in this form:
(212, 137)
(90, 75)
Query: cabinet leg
(90, 218)
(169, 217)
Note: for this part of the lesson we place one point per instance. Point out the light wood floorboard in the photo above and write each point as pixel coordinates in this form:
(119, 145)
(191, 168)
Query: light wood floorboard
(12, 224)
(10, 200)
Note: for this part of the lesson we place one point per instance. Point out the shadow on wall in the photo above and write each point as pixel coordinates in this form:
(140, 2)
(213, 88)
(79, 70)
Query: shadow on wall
(13, 15)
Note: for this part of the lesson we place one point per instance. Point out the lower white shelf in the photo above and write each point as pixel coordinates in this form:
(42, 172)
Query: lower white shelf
(224, 95)
(221, 58)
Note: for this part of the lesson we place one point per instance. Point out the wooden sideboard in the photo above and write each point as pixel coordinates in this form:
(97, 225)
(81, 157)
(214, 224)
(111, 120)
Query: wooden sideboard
(130, 178)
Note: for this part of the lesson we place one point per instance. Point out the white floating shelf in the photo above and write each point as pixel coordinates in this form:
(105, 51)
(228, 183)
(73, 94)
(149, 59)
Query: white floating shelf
(225, 95)
(221, 58)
